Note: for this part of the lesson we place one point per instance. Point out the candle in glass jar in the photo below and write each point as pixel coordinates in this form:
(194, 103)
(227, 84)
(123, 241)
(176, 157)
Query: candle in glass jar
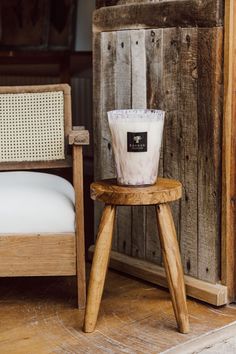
(136, 141)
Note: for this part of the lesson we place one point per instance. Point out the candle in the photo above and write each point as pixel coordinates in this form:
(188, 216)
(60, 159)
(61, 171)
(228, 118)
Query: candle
(136, 141)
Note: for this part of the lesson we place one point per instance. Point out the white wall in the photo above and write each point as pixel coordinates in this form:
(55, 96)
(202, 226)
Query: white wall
(83, 41)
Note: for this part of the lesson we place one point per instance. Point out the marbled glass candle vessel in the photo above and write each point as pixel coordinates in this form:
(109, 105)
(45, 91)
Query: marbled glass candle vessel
(136, 141)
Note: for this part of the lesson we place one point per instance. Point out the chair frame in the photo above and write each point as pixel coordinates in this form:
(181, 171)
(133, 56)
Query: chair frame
(44, 254)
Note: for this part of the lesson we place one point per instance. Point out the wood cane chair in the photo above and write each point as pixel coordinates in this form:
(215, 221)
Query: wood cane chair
(41, 215)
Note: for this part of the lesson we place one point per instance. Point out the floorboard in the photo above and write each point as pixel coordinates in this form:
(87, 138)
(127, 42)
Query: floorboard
(38, 315)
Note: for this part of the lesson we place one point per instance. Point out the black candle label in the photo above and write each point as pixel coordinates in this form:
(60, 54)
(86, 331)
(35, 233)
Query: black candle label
(136, 142)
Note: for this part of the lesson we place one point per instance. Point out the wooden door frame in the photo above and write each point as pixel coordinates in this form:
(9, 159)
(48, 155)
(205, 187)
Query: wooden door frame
(228, 246)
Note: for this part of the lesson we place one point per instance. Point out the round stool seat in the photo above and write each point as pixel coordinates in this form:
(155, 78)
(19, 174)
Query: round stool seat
(108, 191)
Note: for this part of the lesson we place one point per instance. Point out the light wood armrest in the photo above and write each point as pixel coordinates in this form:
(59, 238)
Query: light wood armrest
(79, 136)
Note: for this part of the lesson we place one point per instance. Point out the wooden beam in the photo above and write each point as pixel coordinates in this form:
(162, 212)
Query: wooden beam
(229, 159)
(185, 13)
(215, 294)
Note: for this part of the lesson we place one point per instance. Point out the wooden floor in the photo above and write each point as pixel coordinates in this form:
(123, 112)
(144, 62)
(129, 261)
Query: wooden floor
(38, 315)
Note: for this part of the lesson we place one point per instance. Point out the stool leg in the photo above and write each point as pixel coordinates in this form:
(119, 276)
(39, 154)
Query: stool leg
(173, 266)
(99, 267)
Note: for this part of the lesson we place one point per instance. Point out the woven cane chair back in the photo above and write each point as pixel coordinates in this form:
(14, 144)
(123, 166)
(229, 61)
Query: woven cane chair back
(34, 122)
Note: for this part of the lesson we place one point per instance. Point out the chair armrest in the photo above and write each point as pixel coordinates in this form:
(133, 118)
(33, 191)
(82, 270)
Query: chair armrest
(79, 136)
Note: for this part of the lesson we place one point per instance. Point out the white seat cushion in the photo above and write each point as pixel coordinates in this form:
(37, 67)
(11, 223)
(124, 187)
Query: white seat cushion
(33, 202)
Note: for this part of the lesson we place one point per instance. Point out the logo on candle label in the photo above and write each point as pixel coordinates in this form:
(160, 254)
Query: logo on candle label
(136, 142)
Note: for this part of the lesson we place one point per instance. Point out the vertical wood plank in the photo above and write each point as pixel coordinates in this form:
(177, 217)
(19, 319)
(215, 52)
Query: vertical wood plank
(108, 103)
(154, 59)
(171, 83)
(188, 119)
(97, 102)
(138, 55)
(139, 100)
(97, 110)
(228, 218)
(123, 101)
(108, 44)
(104, 167)
(209, 157)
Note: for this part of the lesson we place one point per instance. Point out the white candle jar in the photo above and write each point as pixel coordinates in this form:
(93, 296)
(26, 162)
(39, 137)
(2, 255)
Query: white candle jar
(136, 141)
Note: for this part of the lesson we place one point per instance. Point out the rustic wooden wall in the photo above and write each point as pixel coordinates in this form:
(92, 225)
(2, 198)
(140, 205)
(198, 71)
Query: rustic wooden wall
(178, 70)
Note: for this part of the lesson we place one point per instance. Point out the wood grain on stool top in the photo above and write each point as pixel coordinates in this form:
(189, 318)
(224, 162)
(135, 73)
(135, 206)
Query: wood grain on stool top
(163, 191)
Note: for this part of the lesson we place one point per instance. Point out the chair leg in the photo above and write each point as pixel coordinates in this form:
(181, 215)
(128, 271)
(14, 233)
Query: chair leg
(173, 266)
(81, 279)
(80, 264)
(99, 267)
(79, 208)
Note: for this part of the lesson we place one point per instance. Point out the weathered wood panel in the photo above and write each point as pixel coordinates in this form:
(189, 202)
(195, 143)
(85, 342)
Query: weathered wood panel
(155, 95)
(106, 169)
(210, 107)
(139, 100)
(178, 70)
(188, 122)
(108, 43)
(98, 98)
(171, 88)
(123, 100)
(97, 124)
(185, 13)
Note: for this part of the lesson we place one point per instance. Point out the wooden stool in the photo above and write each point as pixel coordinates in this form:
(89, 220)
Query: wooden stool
(164, 191)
